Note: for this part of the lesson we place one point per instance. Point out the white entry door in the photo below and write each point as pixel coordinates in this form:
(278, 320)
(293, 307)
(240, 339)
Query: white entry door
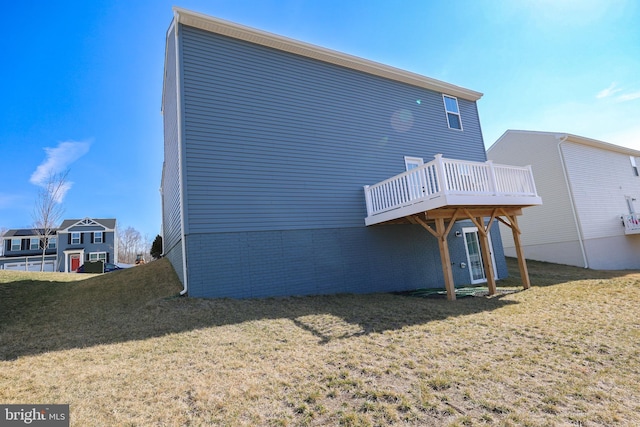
(474, 255)
(415, 181)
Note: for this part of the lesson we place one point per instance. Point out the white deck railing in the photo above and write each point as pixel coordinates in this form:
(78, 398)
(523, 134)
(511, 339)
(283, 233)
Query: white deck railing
(631, 223)
(450, 177)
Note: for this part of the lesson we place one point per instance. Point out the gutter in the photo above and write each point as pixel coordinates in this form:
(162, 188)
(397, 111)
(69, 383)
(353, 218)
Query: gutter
(572, 200)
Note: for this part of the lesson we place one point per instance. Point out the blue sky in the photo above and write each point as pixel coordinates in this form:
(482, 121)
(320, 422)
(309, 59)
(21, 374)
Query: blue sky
(81, 82)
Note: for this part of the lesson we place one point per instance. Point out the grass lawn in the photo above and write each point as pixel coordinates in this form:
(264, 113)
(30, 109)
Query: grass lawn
(121, 349)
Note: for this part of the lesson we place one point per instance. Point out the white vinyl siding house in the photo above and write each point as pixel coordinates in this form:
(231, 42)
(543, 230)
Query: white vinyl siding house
(589, 188)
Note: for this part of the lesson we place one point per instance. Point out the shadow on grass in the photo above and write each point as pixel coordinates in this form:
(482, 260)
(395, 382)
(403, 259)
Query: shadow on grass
(40, 316)
(549, 274)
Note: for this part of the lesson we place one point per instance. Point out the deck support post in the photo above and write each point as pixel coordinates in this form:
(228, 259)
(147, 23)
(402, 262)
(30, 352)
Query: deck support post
(522, 263)
(486, 257)
(445, 258)
(441, 232)
(506, 215)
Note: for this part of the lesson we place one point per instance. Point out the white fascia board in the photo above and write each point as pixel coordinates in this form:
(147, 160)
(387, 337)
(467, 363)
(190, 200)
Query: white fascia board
(84, 222)
(572, 138)
(252, 35)
(601, 144)
(509, 132)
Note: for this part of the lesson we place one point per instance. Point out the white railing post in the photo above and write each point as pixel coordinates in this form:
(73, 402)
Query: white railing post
(367, 198)
(442, 178)
(493, 182)
(532, 181)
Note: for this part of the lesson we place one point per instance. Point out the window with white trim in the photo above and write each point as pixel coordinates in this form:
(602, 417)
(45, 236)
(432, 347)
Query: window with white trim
(16, 244)
(452, 111)
(630, 205)
(634, 167)
(98, 256)
(75, 238)
(34, 244)
(97, 237)
(53, 242)
(412, 162)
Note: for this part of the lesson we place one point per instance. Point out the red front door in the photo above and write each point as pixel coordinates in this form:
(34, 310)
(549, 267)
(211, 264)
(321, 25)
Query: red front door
(75, 262)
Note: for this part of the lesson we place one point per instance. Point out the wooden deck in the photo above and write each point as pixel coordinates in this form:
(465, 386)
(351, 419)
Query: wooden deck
(443, 191)
(446, 183)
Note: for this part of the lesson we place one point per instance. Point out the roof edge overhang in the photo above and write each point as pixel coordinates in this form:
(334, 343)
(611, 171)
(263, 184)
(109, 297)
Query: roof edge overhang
(252, 35)
(564, 136)
(600, 144)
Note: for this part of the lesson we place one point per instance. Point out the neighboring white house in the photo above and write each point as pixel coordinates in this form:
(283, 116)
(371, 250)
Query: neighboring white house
(590, 190)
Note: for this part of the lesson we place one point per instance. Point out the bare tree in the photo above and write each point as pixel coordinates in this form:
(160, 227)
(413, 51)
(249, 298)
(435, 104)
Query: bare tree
(48, 209)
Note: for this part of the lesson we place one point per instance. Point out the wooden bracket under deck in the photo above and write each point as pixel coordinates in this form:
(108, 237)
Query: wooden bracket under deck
(505, 214)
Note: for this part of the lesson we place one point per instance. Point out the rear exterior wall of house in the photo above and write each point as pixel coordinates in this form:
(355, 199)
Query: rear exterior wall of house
(276, 149)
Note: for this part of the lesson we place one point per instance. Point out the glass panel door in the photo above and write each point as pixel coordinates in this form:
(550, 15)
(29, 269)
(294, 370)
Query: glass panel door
(474, 255)
(415, 181)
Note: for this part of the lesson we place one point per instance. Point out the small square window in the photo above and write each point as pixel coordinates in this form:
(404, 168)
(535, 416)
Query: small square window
(453, 112)
(15, 244)
(75, 238)
(34, 244)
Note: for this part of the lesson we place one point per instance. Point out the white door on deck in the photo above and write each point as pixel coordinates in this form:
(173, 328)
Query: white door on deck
(415, 181)
(474, 255)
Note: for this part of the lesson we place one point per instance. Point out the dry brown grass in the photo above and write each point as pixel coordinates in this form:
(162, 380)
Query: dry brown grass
(122, 350)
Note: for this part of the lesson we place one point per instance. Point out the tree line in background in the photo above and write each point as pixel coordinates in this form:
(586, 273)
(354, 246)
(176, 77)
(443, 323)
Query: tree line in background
(133, 247)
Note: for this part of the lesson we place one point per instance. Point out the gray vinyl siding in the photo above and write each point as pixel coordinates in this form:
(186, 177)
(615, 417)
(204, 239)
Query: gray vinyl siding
(23, 252)
(276, 141)
(171, 191)
(108, 244)
(175, 256)
(324, 261)
(277, 149)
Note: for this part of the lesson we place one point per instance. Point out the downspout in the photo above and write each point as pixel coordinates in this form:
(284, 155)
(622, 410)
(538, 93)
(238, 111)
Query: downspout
(185, 278)
(571, 199)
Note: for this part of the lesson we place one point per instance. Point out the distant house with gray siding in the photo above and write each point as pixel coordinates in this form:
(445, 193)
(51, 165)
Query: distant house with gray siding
(269, 143)
(68, 247)
(22, 250)
(591, 188)
(87, 239)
